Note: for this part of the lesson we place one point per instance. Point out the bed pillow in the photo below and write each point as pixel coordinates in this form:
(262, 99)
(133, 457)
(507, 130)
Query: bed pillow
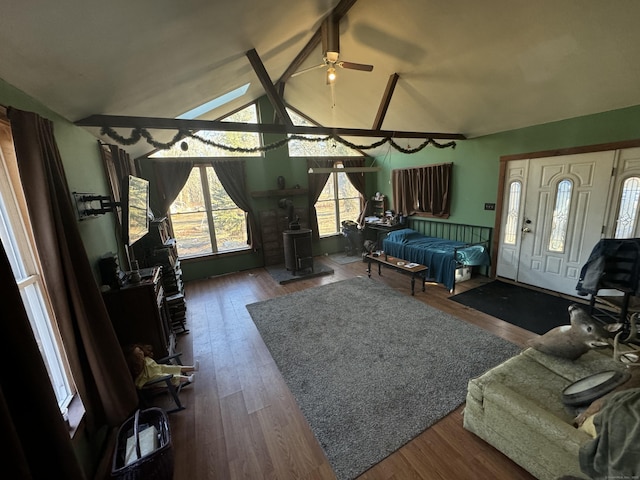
(401, 236)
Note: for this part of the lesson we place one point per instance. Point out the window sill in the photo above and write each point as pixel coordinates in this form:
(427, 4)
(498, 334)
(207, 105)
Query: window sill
(76, 416)
(205, 256)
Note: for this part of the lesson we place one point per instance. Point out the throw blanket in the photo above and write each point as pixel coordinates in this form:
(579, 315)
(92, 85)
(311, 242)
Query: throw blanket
(440, 255)
(615, 452)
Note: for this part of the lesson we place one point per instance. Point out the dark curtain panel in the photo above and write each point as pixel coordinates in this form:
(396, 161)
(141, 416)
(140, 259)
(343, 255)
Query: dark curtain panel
(317, 181)
(423, 190)
(232, 177)
(96, 359)
(404, 191)
(117, 166)
(30, 420)
(435, 195)
(170, 177)
(358, 180)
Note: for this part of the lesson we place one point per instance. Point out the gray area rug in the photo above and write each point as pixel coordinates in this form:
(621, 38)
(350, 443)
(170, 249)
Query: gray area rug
(371, 368)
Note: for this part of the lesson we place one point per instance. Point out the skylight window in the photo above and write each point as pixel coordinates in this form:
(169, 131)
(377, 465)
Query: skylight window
(215, 103)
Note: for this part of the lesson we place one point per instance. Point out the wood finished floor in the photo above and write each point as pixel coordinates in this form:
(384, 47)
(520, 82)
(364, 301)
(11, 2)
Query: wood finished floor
(241, 421)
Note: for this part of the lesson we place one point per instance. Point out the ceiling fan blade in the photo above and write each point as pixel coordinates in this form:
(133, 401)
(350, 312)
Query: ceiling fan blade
(305, 70)
(356, 66)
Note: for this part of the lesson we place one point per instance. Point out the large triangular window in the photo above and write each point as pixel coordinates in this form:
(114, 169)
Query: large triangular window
(316, 147)
(196, 148)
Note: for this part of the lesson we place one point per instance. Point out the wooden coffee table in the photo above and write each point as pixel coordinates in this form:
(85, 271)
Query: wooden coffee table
(399, 265)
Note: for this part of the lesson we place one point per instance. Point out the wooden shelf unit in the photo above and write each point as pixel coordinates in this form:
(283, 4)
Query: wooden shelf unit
(159, 248)
(139, 314)
(284, 192)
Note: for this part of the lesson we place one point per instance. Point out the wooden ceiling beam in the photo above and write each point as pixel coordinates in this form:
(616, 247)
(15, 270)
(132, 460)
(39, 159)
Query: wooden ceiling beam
(386, 100)
(338, 12)
(267, 84)
(116, 121)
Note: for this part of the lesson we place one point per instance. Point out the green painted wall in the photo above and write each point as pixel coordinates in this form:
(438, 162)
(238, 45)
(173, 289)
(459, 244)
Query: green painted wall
(83, 168)
(477, 161)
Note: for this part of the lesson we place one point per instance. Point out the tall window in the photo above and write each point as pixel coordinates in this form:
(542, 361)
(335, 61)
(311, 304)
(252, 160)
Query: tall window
(23, 259)
(205, 219)
(627, 220)
(339, 201)
(559, 223)
(513, 213)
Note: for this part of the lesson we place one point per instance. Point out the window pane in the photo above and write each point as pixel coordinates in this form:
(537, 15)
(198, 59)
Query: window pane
(194, 225)
(192, 233)
(231, 229)
(349, 204)
(326, 212)
(23, 263)
(190, 198)
(349, 209)
(328, 192)
(628, 208)
(316, 148)
(513, 213)
(560, 219)
(217, 194)
(34, 305)
(10, 244)
(197, 148)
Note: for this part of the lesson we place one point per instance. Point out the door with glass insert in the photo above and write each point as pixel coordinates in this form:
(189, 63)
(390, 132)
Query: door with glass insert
(560, 218)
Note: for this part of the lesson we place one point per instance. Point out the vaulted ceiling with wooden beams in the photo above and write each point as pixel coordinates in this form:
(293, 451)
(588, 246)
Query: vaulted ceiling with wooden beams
(454, 69)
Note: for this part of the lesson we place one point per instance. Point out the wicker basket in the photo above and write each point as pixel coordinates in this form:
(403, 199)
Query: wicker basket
(156, 464)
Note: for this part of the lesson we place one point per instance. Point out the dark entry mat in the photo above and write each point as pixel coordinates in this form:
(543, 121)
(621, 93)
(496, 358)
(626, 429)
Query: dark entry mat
(535, 311)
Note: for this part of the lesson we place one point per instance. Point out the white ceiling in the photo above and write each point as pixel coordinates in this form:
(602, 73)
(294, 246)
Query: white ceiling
(465, 66)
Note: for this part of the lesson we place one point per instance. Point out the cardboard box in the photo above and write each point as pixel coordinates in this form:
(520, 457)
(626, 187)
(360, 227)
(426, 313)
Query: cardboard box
(463, 274)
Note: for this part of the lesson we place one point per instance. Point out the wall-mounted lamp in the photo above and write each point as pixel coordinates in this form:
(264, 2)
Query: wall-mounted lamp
(91, 205)
(344, 170)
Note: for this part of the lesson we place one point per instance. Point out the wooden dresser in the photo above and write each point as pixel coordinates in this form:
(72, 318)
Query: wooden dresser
(139, 314)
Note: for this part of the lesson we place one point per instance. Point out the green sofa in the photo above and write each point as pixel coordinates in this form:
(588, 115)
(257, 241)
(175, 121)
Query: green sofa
(517, 407)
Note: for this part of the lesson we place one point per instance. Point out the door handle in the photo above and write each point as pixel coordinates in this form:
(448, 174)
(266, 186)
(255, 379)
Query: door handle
(526, 230)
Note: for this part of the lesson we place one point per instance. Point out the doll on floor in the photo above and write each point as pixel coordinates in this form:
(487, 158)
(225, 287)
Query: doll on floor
(144, 368)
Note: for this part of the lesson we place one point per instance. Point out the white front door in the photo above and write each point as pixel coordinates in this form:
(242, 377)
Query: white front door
(560, 219)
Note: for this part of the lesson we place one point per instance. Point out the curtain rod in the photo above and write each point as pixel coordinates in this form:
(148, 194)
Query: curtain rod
(344, 170)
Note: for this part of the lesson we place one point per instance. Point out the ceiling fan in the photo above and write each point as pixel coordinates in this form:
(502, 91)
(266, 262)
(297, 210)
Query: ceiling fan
(330, 33)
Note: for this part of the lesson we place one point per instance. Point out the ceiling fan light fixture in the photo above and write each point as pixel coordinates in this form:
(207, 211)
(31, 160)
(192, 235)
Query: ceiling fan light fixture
(332, 57)
(331, 75)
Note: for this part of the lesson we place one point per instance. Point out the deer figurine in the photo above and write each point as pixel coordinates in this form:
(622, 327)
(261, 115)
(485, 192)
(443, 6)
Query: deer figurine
(574, 340)
(630, 356)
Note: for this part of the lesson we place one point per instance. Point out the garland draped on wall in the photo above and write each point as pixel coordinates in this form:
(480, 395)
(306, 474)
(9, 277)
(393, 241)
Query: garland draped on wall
(138, 134)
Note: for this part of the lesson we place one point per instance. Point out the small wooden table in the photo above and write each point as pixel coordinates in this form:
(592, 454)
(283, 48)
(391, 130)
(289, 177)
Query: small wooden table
(399, 265)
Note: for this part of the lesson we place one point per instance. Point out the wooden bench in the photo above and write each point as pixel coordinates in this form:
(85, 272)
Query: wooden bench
(402, 266)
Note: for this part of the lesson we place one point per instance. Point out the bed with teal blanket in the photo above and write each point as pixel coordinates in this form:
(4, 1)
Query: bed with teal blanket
(441, 255)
